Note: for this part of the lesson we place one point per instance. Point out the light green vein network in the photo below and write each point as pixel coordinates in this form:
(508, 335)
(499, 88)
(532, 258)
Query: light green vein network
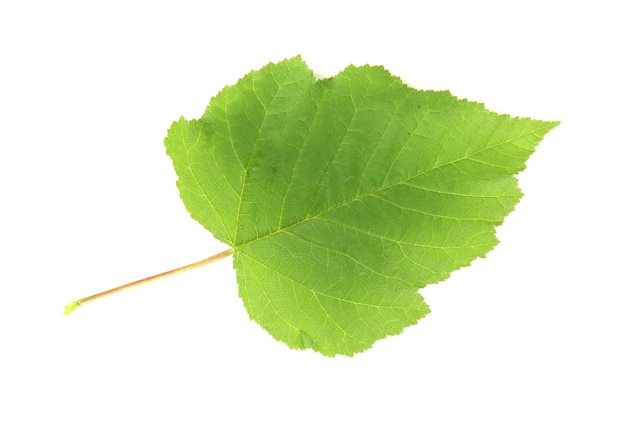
(342, 197)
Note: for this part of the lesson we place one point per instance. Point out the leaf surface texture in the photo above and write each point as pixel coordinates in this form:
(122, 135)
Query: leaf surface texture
(342, 197)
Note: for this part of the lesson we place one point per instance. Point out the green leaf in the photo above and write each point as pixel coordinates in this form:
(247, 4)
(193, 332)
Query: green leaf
(342, 197)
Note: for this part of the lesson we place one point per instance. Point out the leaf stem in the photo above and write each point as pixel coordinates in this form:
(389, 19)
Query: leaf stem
(74, 305)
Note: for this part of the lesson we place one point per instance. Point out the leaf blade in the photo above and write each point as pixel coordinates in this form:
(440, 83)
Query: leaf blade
(350, 194)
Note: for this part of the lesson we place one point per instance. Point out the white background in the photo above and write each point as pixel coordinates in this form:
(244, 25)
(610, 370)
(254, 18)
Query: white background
(534, 333)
